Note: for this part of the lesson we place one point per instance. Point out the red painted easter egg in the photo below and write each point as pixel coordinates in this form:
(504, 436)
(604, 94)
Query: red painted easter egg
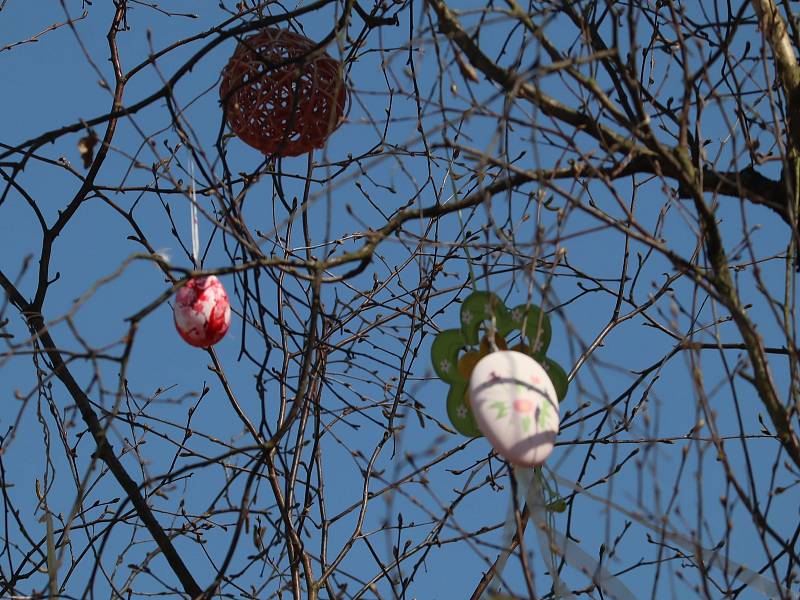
(202, 312)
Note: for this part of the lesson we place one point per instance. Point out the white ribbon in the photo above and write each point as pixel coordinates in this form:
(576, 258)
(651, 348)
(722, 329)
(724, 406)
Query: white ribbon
(710, 558)
(546, 535)
(508, 535)
(553, 543)
(195, 224)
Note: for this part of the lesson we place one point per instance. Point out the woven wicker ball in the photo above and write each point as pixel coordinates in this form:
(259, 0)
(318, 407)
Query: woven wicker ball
(280, 99)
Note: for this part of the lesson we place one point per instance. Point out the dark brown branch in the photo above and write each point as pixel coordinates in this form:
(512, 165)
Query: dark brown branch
(104, 451)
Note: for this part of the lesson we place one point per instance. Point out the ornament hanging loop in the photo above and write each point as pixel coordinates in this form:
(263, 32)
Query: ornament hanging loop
(493, 333)
(492, 328)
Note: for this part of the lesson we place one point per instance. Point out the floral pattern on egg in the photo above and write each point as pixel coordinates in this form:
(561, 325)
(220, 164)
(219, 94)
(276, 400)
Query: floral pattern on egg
(515, 405)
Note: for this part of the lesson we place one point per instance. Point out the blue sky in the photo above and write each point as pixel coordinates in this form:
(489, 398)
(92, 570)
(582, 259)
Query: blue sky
(49, 83)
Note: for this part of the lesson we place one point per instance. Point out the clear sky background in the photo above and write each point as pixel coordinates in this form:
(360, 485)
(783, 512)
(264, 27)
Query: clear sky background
(53, 82)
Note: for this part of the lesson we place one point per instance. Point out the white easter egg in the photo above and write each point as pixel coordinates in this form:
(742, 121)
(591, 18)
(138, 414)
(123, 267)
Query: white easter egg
(515, 406)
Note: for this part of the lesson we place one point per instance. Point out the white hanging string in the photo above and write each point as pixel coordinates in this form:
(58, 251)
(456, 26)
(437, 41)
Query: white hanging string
(195, 222)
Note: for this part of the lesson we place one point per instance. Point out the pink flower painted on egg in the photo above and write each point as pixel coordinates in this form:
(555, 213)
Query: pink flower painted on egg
(202, 312)
(524, 405)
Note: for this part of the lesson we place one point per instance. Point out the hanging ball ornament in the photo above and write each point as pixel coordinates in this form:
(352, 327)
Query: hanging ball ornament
(202, 312)
(515, 406)
(281, 94)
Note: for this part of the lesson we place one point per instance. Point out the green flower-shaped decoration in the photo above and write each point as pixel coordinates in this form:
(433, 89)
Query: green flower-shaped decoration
(454, 367)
